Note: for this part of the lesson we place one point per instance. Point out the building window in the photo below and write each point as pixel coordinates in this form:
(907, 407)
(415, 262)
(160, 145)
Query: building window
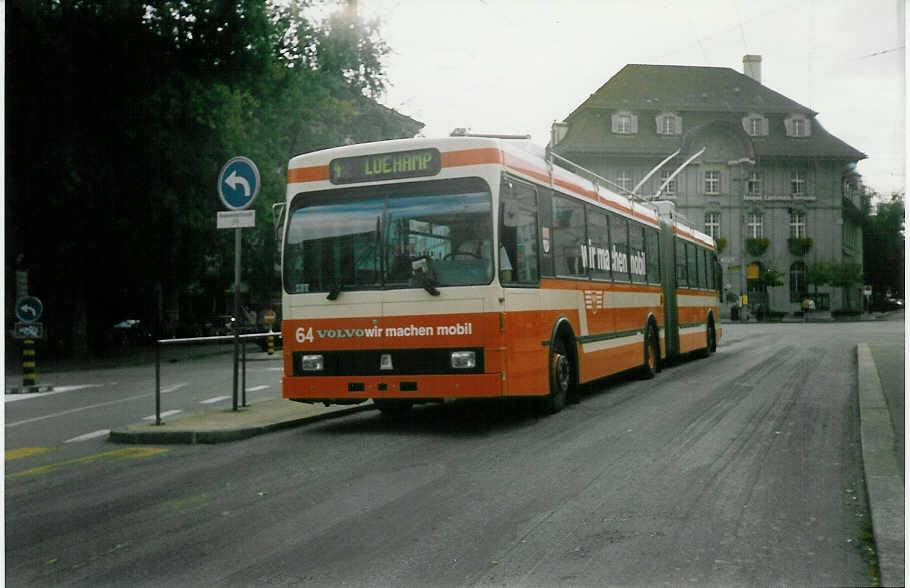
(624, 180)
(712, 224)
(798, 286)
(797, 126)
(755, 125)
(753, 184)
(848, 189)
(712, 182)
(798, 225)
(669, 124)
(754, 228)
(625, 123)
(670, 188)
(797, 182)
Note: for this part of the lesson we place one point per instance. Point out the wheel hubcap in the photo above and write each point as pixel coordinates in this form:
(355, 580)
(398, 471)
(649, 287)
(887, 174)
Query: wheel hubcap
(562, 372)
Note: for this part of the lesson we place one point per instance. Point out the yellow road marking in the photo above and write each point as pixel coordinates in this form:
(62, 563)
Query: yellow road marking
(26, 452)
(127, 453)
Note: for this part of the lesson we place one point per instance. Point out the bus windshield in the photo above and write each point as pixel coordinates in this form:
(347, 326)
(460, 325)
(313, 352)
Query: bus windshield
(425, 234)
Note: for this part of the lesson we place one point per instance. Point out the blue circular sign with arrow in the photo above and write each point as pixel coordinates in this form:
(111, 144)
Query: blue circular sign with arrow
(28, 309)
(238, 183)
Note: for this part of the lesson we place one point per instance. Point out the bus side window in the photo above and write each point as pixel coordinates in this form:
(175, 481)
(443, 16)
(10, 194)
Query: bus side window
(518, 234)
(692, 263)
(619, 247)
(682, 278)
(545, 210)
(597, 249)
(568, 236)
(652, 255)
(638, 256)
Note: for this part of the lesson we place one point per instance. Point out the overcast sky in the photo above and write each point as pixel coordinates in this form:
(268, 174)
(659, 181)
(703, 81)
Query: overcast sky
(515, 66)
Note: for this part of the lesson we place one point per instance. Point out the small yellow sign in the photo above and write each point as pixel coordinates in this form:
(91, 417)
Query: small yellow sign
(745, 300)
(752, 271)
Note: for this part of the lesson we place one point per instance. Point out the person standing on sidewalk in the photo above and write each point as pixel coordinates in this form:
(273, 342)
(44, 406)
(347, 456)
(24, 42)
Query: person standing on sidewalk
(810, 307)
(805, 307)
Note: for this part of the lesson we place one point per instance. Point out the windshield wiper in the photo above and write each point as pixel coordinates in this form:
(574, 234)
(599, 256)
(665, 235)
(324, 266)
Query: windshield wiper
(426, 282)
(336, 290)
(425, 279)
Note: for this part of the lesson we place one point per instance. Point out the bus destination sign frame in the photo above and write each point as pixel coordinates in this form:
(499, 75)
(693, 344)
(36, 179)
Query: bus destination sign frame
(385, 166)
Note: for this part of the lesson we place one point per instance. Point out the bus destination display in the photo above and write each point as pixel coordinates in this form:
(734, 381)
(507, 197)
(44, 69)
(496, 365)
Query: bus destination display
(385, 166)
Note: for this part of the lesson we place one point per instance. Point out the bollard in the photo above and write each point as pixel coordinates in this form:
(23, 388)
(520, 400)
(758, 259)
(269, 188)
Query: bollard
(271, 344)
(29, 378)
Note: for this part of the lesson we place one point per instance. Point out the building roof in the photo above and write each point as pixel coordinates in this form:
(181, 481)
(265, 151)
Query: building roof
(699, 94)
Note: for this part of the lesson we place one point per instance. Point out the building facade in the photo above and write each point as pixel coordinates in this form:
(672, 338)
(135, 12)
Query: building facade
(766, 180)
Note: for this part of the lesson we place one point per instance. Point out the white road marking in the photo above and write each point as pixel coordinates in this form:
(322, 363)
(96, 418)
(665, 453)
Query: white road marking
(166, 413)
(57, 390)
(174, 388)
(256, 388)
(87, 436)
(214, 400)
(80, 409)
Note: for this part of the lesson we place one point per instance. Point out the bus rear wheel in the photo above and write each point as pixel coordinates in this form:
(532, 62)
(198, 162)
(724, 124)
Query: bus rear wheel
(651, 365)
(561, 379)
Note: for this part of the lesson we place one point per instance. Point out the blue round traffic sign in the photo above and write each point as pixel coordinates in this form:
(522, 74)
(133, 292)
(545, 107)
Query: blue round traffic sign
(28, 309)
(238, 183)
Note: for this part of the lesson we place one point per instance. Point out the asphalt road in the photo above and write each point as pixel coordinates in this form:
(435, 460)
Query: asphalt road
(86, 404)
(740, 469)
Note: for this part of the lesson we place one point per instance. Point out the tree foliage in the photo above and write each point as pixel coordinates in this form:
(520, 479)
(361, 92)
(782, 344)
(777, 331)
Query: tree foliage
(119, 117)
(883, 246)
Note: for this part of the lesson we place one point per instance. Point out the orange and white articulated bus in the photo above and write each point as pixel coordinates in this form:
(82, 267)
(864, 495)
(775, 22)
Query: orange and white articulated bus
(420, 270)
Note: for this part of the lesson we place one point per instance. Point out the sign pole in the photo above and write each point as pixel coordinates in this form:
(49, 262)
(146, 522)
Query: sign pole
(236, 308)
(238, 187)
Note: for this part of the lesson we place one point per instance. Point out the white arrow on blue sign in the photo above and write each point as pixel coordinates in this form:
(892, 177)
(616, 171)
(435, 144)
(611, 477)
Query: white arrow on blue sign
(238, 183)
(29, 309)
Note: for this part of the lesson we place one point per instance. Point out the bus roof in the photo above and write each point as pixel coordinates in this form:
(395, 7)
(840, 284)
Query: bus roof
(520, 156)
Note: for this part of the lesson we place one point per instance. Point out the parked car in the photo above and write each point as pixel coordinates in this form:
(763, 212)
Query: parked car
(131, 332)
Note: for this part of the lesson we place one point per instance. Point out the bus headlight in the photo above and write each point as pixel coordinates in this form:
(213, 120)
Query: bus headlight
(312, 363)
(463, 360)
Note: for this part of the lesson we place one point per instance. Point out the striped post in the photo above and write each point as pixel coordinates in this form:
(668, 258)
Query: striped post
(271, 344)
(28, 363)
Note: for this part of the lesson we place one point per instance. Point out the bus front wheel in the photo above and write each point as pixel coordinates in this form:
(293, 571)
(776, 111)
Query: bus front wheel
(561, 379)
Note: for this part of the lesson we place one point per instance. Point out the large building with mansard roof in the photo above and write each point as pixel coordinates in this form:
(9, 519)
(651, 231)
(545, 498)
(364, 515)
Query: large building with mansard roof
(766, 180)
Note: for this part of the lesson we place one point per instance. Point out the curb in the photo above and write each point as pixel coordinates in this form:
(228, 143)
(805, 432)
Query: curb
(884, 485)
(193, 437)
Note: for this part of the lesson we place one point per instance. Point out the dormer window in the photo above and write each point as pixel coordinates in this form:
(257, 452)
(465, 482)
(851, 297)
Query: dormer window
(797, 126)
(755, 125)
(669, 124)
(625, 123)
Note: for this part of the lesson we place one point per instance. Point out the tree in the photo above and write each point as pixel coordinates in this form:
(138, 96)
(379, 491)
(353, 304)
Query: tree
(883, 248)
(124, 113)
(818, 274)
(844, 275)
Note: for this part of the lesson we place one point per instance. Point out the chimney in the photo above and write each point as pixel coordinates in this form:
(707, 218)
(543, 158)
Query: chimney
(752, 67)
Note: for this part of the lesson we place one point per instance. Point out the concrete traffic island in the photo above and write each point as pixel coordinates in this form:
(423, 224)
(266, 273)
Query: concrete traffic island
(221, 426)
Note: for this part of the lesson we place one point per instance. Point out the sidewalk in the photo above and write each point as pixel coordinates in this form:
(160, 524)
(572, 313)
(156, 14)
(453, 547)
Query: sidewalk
(884, 483)
(227, 425)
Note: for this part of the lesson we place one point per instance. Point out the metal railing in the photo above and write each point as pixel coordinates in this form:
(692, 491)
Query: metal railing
(241, 340)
